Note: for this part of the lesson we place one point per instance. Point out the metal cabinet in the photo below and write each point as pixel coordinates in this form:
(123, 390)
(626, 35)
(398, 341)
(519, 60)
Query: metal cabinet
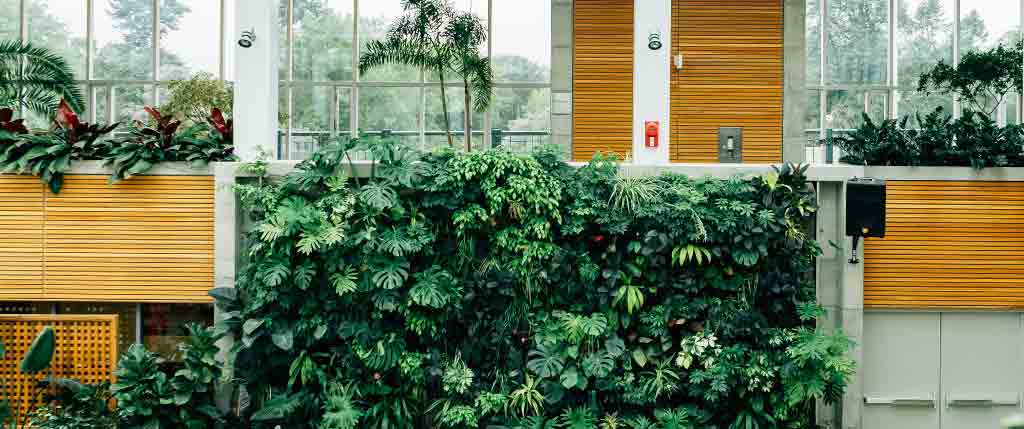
(951, 370)
(901, 370)
(981, 369)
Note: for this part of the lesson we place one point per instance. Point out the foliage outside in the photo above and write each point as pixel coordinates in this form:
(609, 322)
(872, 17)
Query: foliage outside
(465, 290)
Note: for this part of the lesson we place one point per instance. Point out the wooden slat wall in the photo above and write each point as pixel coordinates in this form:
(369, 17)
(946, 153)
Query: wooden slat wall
(21, 243)
(948, 245)
(86, 351)
(147, 239)
(602, 78)
(732, 77)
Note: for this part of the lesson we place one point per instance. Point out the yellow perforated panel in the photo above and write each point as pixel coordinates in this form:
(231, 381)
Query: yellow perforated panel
(86, 350)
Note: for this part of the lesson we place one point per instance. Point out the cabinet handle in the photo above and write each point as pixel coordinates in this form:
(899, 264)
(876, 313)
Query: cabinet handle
(981, 400)
(927, 400)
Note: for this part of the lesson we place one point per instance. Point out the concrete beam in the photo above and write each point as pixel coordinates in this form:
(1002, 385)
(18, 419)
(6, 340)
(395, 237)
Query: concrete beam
(652, 78)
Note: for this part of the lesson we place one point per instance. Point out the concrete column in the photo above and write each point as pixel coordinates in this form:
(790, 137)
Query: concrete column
(561, 72)
(795, 86)
(256, 79)
(828, 275)
(652, 78)
(851, 300)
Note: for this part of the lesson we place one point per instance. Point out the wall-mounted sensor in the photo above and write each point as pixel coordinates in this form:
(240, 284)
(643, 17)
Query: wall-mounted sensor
(654, 41)
(248, 38)
(677, 60)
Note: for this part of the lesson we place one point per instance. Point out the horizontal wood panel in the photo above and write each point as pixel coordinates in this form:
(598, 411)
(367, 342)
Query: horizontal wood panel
(147, 239)
(948, 245)
(602, 78)
(732, 77)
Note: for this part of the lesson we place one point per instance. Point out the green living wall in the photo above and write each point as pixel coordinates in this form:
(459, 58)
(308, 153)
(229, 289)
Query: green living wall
(454, 290)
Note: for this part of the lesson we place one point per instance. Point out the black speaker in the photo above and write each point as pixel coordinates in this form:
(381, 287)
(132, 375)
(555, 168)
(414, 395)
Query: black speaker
(865, 207)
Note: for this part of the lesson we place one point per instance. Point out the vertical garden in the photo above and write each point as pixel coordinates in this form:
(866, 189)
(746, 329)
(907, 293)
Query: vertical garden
(455, 290)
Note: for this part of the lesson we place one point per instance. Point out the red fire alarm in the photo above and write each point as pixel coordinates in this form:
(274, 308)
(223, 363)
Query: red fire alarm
(651, 134)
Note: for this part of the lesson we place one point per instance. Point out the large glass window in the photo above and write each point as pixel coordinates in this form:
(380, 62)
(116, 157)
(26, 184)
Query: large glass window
(400, 101)
(115, 57)
(876, 51)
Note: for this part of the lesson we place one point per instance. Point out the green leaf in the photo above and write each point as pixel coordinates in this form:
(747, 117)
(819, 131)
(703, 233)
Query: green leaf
(640, 357)
(40, 353)
(569, 378)
(251, 326)
(284, 338)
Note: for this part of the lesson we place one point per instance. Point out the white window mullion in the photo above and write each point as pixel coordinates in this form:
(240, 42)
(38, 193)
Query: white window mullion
(957, 105)
(894, 70)
(156, 51)
(354, 94)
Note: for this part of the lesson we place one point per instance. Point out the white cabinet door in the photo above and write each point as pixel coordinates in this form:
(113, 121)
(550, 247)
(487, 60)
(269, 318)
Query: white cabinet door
(981, 369)
(901, 370)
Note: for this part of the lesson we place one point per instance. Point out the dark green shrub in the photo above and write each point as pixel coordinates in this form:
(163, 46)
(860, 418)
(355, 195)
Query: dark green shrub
(465, 290)
(76, 406)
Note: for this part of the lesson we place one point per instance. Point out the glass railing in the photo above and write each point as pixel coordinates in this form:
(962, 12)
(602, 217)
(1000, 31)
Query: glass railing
(299, 144)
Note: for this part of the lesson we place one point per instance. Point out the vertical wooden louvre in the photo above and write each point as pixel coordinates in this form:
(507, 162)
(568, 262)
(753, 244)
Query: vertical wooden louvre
(732, 77)
(602, 78)
(146, 239)
(948, 245)
(86, 351)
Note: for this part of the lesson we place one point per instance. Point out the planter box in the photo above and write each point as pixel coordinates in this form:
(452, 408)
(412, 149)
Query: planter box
(145, 239)
(954, 240)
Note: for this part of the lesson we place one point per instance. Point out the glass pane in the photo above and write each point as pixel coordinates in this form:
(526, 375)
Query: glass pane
(102, 97)
(126, 318)
(813, 24)
(385, 108)
(60, 26)
(912, 104)
(163, 325)
(230, 40)
(323, 41)
(845, 109)
(523, 117)
(311, 119)
(812, 119)
(375, 17)
(987, 23)
(344, 111)
(282, 38)
(188, 32)
(925, 37)
(10, 23)
(522, 40)
(129, 101)
(435, 128)
(1012, 108)
(124, 40)
(858, 41)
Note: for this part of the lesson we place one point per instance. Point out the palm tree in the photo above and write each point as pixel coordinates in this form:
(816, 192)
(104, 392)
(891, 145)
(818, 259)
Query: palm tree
(36, 79)
(463, 36)
(415, 39)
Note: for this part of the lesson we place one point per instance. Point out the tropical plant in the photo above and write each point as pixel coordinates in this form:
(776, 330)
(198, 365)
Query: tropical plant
(982, 79)
(143, 392)
(973, 140)
(73, 405)
(36, 78)
(415, 39)
(463, 36)
(37, 358)
(49, 155)
(441, 41)
(145, 146)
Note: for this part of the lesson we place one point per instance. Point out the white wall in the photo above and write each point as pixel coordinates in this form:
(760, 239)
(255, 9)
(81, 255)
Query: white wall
(256, 79)
(652, 78)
